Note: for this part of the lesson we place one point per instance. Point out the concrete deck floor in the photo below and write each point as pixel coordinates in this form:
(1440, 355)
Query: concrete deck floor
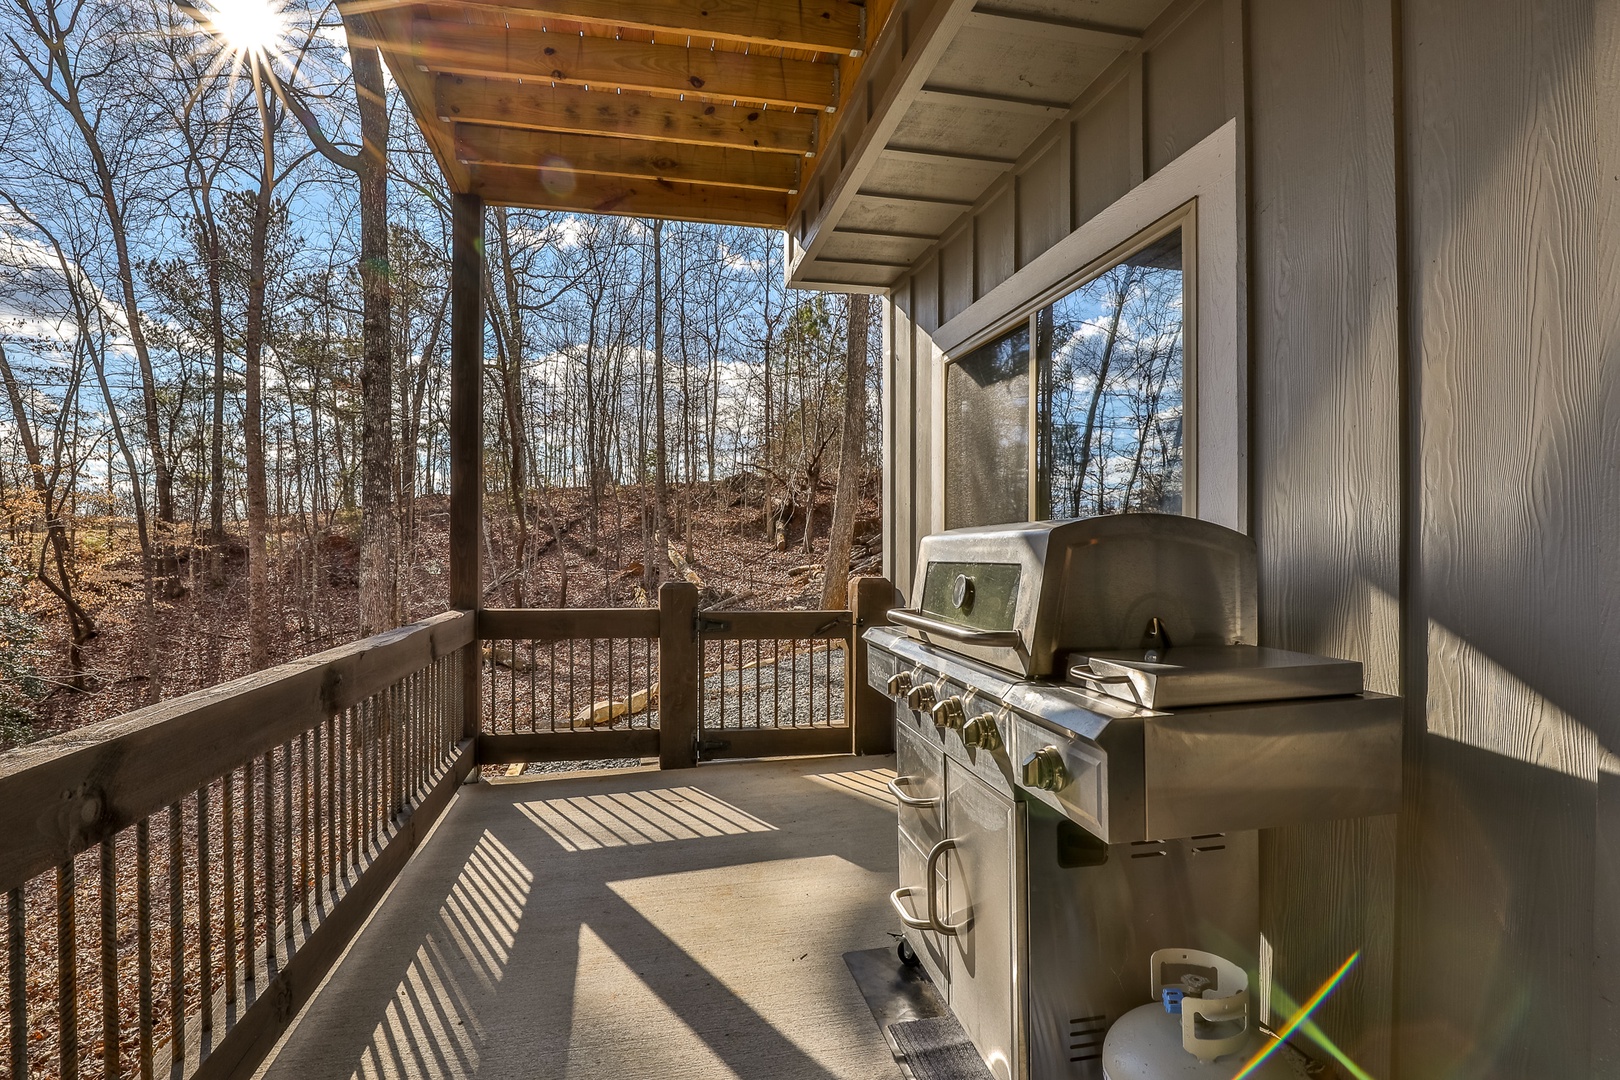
(622, 925)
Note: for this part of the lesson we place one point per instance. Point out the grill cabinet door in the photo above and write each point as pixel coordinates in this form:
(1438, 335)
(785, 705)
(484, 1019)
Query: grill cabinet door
(920, 775)
(981, 892)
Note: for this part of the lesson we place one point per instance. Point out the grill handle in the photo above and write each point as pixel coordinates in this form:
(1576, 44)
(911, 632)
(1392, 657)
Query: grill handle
(1082, 674)
(931, 874)
(909, 800)
(906, 917)
(930, 625)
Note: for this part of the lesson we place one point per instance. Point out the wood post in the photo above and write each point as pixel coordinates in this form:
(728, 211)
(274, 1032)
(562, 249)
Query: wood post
(466, 435)
(680, 674)
(870, 713)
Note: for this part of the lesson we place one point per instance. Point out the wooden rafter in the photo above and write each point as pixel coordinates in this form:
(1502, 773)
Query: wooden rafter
(603, 63)
(502, 103)
(507, 186)
(641, 159)
(827, 26)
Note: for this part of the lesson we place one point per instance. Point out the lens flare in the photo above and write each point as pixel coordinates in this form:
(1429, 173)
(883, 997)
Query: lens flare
(1301, 1015)
(249, 27)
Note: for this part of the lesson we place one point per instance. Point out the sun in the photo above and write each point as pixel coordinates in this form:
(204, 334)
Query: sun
(249, 27)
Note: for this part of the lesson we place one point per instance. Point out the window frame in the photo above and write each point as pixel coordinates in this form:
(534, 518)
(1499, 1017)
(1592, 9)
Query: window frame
(1184, 218)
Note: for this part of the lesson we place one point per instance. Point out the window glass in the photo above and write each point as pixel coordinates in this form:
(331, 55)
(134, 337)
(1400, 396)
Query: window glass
(1110, 406)
(987, 433)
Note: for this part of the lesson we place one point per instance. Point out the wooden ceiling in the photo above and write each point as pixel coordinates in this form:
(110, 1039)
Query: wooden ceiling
(703, 110)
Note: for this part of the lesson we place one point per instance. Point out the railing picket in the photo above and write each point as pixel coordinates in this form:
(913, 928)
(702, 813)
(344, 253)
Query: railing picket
(227, 814)
(17, 982)
(177, 935)
(205, 915)
(250, 889)
(303, 828)
(146, 1011)
(109, 958)
(269, 873)
(289, 846)
(67, 970)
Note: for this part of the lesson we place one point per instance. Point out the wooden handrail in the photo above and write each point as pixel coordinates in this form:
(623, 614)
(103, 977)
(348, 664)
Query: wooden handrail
(65, 794)
(561, 624)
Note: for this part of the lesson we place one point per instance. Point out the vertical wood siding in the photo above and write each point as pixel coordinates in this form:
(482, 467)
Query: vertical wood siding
(1080, 166)
(1324, 416)
(1513, 149)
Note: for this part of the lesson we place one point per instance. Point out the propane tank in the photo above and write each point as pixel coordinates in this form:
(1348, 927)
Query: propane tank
(1197, 1028)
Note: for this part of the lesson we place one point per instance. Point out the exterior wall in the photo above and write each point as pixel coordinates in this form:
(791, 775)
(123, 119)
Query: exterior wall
(1111, 142)
(1325, 425)
(1433, 192)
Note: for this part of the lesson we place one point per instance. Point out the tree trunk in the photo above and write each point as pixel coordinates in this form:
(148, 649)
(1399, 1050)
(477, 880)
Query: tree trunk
(847, 500)
(378, 603)
(258, 498)
(661, 439)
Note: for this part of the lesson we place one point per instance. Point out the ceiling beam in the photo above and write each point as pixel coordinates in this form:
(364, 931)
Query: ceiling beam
(832, 26)
(543, 107)
(641, 159)
(948, 157)
(465, 49)
(972, 99)
(583, 193)
(1066, 31)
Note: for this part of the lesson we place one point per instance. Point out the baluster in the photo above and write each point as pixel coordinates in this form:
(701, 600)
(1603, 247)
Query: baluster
(205, 916)
(17, 982)
(289, 847)
(269, 830)
(250, 888)
(143, 941)
(109, 958)
(177, 935)
(303, 826)
(67, 971)
(227, 814)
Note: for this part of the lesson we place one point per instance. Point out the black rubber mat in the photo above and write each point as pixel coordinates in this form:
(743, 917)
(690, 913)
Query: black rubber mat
(938, 1049)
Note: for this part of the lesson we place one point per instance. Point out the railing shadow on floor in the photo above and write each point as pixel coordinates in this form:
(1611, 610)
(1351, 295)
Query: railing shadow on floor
(564, 946)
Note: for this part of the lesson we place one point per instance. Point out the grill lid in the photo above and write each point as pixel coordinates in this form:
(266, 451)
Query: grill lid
(1187, 676)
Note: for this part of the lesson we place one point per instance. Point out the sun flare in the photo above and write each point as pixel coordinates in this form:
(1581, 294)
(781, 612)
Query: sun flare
(253, 27)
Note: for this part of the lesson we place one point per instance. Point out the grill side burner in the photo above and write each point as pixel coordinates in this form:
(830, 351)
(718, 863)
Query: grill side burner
(1054, 832)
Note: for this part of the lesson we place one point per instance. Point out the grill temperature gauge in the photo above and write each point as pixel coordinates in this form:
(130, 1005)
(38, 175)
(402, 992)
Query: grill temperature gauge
(1044, 769)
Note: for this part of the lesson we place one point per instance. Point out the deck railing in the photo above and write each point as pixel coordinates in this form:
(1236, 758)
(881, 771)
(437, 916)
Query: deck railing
(680, 683)
(177, 882)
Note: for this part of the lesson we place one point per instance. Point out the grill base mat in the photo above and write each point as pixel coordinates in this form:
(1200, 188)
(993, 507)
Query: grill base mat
(927, 1041)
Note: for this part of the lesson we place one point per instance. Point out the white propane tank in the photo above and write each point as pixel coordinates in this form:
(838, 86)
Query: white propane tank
(1197, 1027)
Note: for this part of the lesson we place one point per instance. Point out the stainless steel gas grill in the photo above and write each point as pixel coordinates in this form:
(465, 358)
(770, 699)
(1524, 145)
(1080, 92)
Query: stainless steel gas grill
(1088, 740)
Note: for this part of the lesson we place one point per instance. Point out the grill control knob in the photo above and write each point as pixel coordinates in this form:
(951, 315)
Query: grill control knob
(981, 733)
(1044, 769)
(920, 698)
(899, 683)
(949, 714)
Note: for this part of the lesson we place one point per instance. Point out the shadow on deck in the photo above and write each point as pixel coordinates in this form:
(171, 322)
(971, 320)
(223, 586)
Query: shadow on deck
(634, 924)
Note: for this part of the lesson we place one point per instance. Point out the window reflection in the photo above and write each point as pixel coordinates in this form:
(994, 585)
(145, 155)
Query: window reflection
(1107, 374)
(987, 433)
(1109, 423)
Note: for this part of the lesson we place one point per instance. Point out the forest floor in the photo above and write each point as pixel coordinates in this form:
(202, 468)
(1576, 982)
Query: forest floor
(201, 637)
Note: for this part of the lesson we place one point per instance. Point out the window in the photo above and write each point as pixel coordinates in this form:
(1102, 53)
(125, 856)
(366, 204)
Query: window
(1079, 409)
